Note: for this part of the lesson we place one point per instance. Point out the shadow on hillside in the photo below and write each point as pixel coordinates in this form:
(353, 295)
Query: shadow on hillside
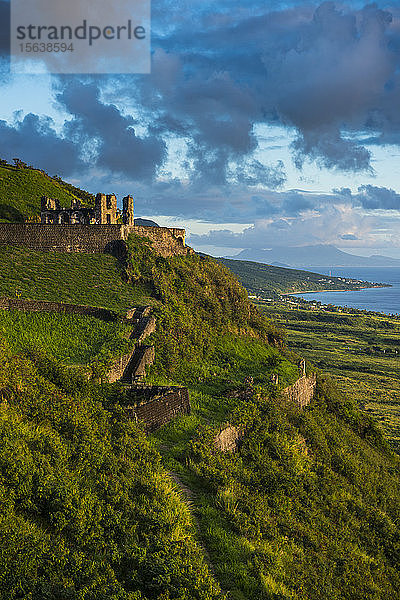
(11, 214)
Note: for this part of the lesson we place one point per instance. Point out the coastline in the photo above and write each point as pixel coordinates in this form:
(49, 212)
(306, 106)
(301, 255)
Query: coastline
(357, 289)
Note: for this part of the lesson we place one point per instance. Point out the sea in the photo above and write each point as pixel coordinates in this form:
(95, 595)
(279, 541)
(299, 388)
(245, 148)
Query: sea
(384, 300)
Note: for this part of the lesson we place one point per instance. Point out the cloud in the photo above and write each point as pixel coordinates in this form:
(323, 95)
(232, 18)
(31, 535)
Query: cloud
(370, 197)
(373, 198)
(36, 142)
(257, 174)
(330, 226)
(326, 71)
(349, 236)
(112, 135)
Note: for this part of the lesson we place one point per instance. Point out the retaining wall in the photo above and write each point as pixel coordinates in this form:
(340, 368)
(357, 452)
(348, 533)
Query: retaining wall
(90, 238)
(159, 405)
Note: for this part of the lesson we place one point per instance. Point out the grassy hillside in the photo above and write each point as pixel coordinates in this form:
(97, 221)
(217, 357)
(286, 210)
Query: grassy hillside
(91, 279)
(87, 510)
(362, 352)
(21, 189)
(307, 509)
(268, 281)
(71, 339)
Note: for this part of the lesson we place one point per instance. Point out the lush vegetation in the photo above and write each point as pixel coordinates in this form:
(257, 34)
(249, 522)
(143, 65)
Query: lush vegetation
(361, 350)
(72, 339)
(21, 188)
(307, 509)
(268, 281)
(207, 328)
(87, 510)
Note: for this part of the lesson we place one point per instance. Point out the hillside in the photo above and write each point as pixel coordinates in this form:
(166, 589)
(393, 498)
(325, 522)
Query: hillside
(87, 510)
(22, 187)
(361, 350)
(306, 509)
(268, 281)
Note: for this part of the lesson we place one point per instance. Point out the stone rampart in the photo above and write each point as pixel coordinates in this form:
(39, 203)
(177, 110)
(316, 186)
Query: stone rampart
(90, 238)
(159, 405)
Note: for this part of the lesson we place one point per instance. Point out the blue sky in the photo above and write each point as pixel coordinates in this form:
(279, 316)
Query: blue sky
(261, 124)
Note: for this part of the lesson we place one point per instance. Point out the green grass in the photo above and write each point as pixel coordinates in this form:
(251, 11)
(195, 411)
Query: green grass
(90, 279)
(361, 351)
(72, 339)
(22, 189)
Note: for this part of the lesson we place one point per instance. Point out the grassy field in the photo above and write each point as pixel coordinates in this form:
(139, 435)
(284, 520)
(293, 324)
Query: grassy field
(361, 351)
(72, 339)
(91, 279)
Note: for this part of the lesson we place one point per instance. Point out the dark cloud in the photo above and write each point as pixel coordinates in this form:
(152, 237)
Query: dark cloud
(110, 133)
(348, 236)
(326, 71)
(215, 114)
(370, 197)
(330, 150)
(35, 141)
(373, 197)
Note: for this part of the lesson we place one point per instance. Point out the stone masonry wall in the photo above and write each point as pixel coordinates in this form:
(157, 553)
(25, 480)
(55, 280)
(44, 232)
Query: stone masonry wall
(302, 392)
(62, 238)
(168, 404)
(119, 366)
(155, 405)
(166, 241)
(90, 238)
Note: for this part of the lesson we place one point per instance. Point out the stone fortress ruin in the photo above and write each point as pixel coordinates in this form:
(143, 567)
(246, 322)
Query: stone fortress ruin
(102, 228)
(105, 211)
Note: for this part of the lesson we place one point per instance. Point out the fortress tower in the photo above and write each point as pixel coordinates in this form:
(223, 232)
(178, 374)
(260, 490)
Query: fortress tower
(105, 209)
(128, 211)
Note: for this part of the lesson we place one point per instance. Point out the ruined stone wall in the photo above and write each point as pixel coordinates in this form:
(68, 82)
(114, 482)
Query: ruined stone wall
(302, 392)
(63, 238)
(119, 366)
(166, 404)
(90, 238)
(166, 241)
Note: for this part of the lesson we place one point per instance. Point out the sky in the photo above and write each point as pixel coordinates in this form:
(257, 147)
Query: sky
(261, 124)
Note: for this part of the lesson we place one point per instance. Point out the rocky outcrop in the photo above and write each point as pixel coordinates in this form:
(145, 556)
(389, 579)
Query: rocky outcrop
(228, 439)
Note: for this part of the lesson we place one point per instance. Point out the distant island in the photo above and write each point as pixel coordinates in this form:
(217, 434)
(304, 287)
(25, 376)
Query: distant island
(320, 255)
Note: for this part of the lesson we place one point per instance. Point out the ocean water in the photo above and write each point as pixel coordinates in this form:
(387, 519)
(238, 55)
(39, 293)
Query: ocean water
(385, 300)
